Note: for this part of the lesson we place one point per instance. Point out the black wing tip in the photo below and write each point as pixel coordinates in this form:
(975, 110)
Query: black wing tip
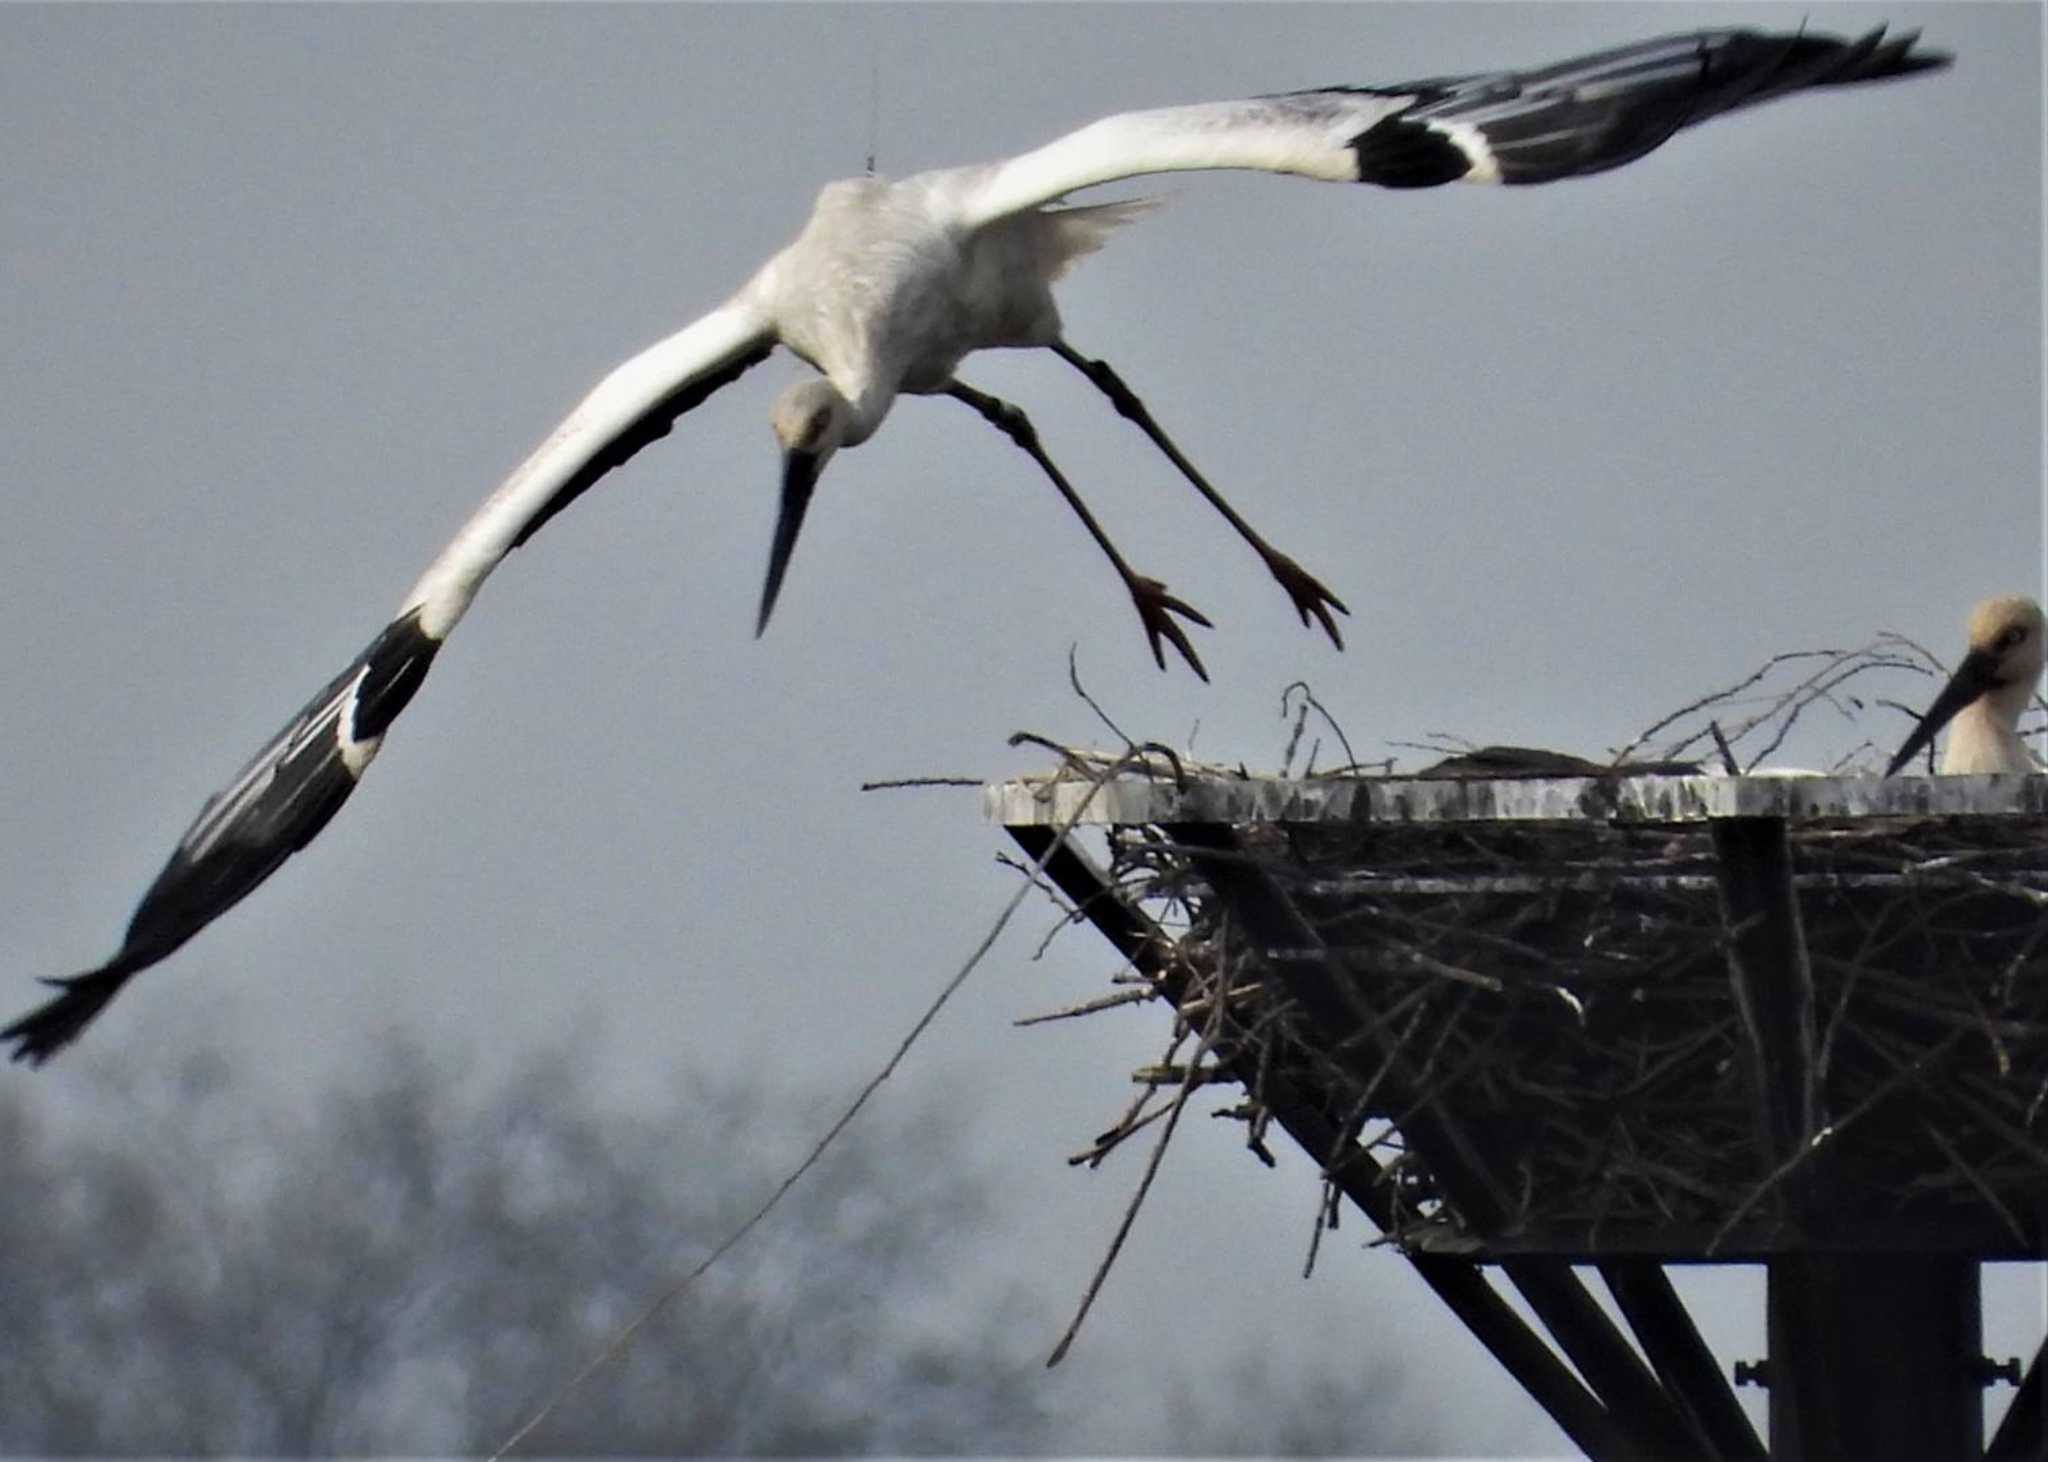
(57, 1022)
(1896, 57)
(1827, 60)
(298, 786)
(1923, 61)
(301, 788)
(1607, 109)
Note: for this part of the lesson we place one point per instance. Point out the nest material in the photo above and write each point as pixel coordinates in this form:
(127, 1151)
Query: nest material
(1542, 1047)
(1562, 996)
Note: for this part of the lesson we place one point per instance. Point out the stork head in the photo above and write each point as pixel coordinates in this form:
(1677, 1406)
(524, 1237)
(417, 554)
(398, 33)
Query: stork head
(811, 422)
(2003, 666)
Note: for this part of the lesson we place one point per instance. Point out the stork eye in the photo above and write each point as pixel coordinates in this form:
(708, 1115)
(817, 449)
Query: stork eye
(815, 427)
(2008, 637)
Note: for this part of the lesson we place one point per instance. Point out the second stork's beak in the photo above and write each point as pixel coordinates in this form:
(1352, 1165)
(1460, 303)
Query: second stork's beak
(799, 476)
(1977, 676)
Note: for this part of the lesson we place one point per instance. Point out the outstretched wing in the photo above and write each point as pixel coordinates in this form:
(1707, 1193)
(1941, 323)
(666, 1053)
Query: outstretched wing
(289, 790)
(1579, 116)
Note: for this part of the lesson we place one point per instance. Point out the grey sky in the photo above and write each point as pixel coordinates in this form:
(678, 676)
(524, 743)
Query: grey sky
(286, 291)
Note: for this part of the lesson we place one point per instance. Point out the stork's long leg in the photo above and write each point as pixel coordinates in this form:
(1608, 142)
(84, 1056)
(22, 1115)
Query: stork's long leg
(1309, 596)
(1155, 605)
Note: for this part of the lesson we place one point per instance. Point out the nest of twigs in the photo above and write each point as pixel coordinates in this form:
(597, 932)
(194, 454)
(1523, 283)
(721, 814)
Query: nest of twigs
(1558, 997)
(1563, 995)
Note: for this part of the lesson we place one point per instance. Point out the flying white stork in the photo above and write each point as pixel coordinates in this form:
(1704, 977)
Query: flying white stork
(1988, 694)
(887, 289)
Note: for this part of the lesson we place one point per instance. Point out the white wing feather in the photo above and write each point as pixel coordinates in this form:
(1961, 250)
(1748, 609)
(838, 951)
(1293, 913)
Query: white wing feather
(1308, 134)
(1579, 116)
(633, 404)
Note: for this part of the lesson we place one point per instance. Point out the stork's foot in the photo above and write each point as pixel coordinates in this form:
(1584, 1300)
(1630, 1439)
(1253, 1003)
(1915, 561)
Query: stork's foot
(1156, 608)
(1307, 592)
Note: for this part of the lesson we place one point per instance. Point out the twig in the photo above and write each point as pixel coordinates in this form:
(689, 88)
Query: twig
(1984, 1189)
(1728, 762)
(1089, 1007)
(1834, 1129)
(1192, 1074)
(1107, 1142)
(1715, 698)
(1059, 1351)
(1326, 1218)
(1074, 679)
(1200, 1003)
(895, 783)
(1308, 699)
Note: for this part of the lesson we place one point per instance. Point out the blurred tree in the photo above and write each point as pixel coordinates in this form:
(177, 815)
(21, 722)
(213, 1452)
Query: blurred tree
(1267, 1403)
(407, 1271)
(412, 1268)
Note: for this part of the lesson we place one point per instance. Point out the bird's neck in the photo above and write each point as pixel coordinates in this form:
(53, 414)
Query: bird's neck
(868, 402)
(1985, 736)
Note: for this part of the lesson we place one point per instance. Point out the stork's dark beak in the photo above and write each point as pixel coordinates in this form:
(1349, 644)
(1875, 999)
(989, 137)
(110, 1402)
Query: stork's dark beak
(1976, 676)
(799, 476)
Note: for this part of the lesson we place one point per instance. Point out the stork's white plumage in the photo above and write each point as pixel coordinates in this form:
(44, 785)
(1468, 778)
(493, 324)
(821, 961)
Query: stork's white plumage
(1985, 698)
(889, 286)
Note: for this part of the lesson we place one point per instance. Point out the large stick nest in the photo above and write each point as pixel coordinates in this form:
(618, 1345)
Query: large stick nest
(1561, 996)
(1564, 996)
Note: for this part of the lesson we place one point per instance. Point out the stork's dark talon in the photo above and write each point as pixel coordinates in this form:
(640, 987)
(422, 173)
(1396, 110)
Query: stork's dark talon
(1310, 597)
(1155, 606)
(1308, 594)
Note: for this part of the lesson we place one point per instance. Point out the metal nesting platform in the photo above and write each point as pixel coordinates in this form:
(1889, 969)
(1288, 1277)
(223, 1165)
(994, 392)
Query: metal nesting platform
(1624, 1021)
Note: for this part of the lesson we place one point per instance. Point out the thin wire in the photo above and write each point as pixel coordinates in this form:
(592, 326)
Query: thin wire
(640, 1321)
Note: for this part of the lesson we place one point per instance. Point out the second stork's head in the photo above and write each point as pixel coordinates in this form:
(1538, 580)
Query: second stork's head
(1993, 683)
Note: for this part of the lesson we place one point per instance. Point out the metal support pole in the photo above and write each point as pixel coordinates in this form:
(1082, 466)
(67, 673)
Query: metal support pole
(1772, 983)
(1898, 1337)
(1684, 1363)
(2023, 1435)
(1604, 1357)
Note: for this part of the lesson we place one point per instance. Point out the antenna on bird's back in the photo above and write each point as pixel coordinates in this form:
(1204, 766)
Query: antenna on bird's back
(874, 96)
